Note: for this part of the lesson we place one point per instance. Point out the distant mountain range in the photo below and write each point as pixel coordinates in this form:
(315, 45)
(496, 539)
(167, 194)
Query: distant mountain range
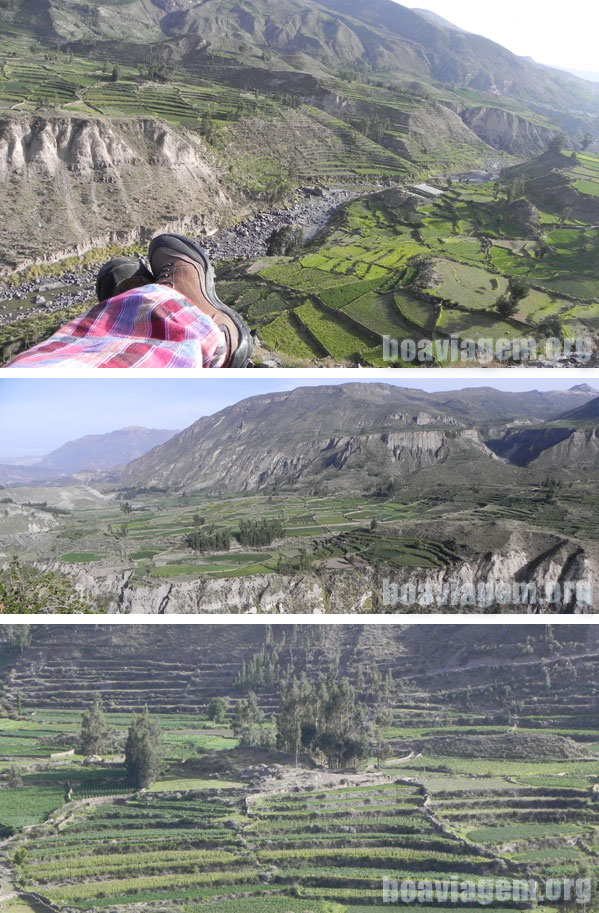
(351, 436)
(341, 436)
(589, 75)
(91, 453)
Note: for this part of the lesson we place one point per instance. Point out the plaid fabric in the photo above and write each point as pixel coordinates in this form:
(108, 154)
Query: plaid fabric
(149, 327)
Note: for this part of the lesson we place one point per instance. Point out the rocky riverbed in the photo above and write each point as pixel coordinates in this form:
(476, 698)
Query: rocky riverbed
(311, 210)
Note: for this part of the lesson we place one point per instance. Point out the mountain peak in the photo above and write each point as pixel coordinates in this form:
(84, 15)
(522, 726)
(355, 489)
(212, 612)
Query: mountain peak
(439, 20)
(104, 451)
(587, 413)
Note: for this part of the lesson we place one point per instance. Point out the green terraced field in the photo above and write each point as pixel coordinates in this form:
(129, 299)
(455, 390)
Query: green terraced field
(196, 843)
(319, 527)
(457, 254)
(195, 849)
(515, 798)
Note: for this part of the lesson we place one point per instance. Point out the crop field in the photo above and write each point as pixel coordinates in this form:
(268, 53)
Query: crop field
(33, 80)
(321, 534)
(445, 263)
(195, 841)
(318, 528)
(195, 849)
(394, 264)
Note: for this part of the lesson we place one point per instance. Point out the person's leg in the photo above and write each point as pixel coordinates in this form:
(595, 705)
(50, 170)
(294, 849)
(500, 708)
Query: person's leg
(179, 263)
(121, 274)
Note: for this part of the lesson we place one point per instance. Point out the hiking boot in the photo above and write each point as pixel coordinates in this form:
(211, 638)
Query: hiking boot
(121, 274)
(182, 264)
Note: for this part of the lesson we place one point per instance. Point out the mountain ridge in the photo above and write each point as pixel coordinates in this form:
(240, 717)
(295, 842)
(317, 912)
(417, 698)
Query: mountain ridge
(306, 436)
(93, 452)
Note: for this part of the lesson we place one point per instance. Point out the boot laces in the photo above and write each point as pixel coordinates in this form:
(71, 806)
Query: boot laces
(165, 274)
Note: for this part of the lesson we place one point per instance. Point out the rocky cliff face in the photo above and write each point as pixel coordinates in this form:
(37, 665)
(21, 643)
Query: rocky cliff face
(19, 524)
(524, 446)
(361, 460)
(560, 448)
(555, 574)
(577, 451)
(88, 182)
(346, 436)
(45, 145)
(312, 436)
(506, 131)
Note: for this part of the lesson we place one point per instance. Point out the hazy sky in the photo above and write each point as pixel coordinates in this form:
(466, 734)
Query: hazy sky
(562, 35)
(36, 416)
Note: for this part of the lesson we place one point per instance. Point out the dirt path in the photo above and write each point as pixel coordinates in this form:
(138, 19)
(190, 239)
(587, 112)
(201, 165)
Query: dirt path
(7, 887)
(294, 780)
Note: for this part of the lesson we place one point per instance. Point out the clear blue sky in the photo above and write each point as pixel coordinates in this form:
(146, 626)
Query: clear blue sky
(561, 35)
(36, 416)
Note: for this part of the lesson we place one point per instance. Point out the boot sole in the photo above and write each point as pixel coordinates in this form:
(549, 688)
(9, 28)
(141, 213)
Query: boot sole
(179, 244)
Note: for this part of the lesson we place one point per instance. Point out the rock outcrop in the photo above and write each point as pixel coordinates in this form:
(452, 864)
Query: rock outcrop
(547, 574)
(89, 182)
(506, 131)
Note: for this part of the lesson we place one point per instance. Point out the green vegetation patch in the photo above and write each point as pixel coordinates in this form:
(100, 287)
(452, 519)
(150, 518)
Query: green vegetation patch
(27, 805)
(80, 558)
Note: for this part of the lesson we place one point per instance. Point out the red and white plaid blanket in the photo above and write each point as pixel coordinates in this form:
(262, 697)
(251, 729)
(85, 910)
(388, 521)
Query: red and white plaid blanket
(149, 327)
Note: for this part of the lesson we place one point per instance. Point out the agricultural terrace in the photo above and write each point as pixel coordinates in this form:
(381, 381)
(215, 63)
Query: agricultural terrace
(152, 539)
(196, 95)
(213, 840)
(411, 269)
(318, 532)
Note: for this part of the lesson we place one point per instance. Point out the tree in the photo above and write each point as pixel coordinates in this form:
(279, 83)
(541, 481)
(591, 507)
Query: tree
(94, 730)
(14, 778)
(380, 746)
(518, 289)
(18, 635)
(208, 539)
(586, 141)
(276, 189)
(291, 716)
(515, 189)
(285, 242)
(326, 720)
(552, 326)
(551, 488)
(126, 508)
(247, 719)
(119, 534)
(258, 533)
(116, 73)
(556, 143)
(262, 667)
(143, 756)
(25, 589)
(505, 306)
(207, 126)
(218, 709)
(508, 304)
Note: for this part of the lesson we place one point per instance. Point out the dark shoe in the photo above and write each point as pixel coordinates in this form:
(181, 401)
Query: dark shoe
(121, 274)
(182, 264)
